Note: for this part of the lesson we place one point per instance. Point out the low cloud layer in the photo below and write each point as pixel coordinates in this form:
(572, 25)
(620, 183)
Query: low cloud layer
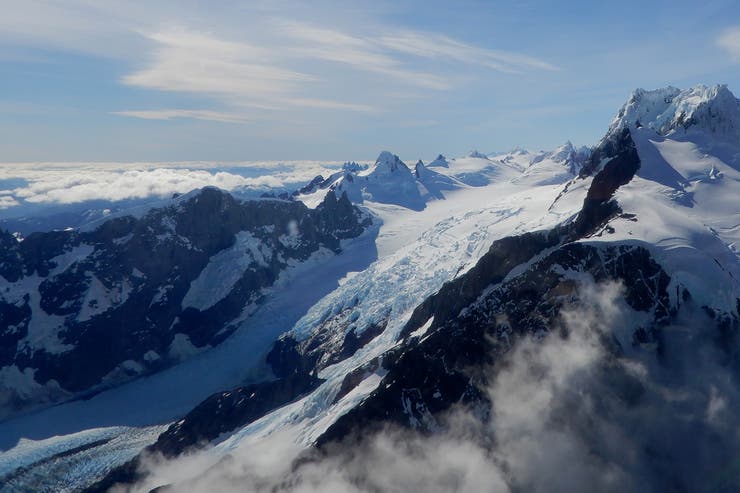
(571, 412)
(77, 183)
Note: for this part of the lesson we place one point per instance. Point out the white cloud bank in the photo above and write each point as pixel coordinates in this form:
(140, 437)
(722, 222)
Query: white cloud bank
(76, 183)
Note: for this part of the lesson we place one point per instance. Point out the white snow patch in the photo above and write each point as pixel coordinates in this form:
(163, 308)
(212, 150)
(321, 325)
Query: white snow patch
(292, 236)
(181, 348)
(123, 239)
(423, 329)
(65, 260)
(150, 356)
(224, 269)
(100, 298)
(161, 295)
(43, 329)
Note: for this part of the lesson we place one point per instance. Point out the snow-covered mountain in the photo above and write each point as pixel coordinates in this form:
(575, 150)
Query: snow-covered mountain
(671, 111)
(85, 310)
(390, 181)
(538, 320)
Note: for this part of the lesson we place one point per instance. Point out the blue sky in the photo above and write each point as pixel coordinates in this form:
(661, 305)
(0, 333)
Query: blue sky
(84, 80)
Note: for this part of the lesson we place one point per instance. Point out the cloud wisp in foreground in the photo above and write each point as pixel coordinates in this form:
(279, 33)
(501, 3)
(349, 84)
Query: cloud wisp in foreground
(569, 413)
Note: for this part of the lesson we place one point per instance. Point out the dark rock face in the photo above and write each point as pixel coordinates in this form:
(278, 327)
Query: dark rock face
(622, 163)
(312, 186)
(448, 366)
(91, 309)
(227, 411)
(504, 255)
(11, 266)
(330, 343)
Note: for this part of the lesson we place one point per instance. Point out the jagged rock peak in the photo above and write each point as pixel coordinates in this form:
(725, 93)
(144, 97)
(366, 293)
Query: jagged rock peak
(388, 163)
(668, 110)
(476, 154)
(206, 200)
(353, 167)
(568, 152)
(420, 170)
(440, 161)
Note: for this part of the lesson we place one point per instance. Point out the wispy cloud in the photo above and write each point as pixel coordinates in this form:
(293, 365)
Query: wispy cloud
(729, 40)
(190, 61)
(215, 116)
(364, 54)
(264, 73)
(242, 74)
(268, 63)
(438, 46)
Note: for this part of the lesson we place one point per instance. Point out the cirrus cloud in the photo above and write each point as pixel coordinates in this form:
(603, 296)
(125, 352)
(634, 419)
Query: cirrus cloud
(264, 73)
(208, 115)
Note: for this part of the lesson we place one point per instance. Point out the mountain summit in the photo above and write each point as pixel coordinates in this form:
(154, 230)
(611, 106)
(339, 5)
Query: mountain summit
(670, 110)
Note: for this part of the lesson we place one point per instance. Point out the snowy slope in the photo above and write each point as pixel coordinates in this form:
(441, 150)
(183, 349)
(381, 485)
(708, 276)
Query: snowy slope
(686, 202)
(388, 181)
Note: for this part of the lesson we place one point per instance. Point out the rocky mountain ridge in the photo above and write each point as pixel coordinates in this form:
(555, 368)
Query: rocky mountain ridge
(182, 276)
